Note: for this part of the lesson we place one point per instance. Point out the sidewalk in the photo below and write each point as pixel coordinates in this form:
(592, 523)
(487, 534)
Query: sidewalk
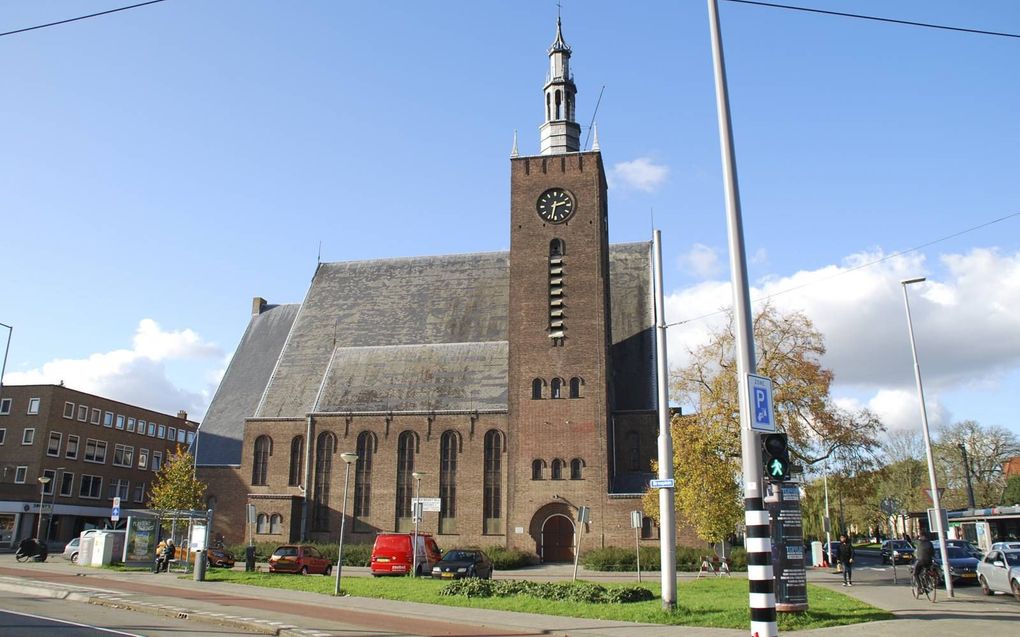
(299, 614)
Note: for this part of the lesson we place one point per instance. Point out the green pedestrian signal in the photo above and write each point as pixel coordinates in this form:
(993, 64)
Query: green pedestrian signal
(775, 456)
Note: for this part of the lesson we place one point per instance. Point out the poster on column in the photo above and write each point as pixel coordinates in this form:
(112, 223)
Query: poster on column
(783, 503)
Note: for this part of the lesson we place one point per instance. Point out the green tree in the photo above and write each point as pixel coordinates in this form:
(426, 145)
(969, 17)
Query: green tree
(1011, 494)
(176, 488)
(988, 448)
(707, 490)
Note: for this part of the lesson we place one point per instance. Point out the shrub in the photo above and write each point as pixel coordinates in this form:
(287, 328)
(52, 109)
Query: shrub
(354, 554)
(584, 592)
(509, 559)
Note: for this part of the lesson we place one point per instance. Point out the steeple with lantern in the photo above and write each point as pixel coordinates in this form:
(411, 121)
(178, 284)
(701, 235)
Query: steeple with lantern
(560, 133)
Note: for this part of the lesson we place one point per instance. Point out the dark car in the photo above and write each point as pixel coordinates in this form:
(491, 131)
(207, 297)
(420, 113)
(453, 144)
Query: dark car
(900, 551)
(832, 554)
(299, 558)
(962, 564)
(220, 557)
(460, 563)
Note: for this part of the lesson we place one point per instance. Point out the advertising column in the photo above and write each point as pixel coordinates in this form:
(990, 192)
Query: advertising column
(783, 503)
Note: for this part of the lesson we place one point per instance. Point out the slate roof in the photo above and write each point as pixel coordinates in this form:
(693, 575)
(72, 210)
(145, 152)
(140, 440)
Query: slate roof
(241, 387)
(443, 377)
(413, 334)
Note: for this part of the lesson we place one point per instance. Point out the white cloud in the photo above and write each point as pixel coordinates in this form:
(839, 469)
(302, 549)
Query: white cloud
(701, 261)
(966, 323)
(137, 376)
(640, 174)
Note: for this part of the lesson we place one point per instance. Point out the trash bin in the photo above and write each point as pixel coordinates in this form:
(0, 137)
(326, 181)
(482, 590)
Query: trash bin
(249, 559)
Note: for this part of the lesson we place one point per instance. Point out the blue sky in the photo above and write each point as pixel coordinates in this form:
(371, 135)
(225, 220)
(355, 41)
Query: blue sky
(163, 165)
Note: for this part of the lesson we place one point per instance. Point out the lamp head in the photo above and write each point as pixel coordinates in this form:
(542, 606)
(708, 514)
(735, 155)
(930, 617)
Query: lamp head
(418, 475)
(914, 280)
(43, 479)
(349, 457)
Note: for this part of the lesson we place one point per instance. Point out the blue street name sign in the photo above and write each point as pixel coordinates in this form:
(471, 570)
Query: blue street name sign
(664, 483)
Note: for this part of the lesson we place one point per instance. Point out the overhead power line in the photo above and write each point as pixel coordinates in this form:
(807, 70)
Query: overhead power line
(859, 16)
(856, 267)
(84, 17)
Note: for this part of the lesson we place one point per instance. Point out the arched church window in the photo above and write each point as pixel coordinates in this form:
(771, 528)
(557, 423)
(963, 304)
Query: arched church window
(276, 524)
(634, 450)
(556, 472)
(555, 388)
(448, 450)
(575, 387)
(260, 466)
(575, 468)
(548, 108)
(363, 479)
(559, 105)
(325, 447)
(536, 389)
(557, 248)
(538, 469)
(406, 449)
(297, 460)
(262, 523)
(492, 499)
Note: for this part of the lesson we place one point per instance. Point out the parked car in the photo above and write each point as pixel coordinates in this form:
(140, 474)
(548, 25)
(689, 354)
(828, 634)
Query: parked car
(1000, 572)
(460, 563)
(969, 547)
(391, 554)
(299, 558)
(832, 553)
(1005, 546)
(71, 549)
(220, 557)
(898, 551)
(962, 563)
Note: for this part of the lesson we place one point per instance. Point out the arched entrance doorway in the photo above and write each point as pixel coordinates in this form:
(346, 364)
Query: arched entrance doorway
(558, 539)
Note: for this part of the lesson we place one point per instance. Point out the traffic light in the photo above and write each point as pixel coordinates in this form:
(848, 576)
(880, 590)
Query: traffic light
(775, 457)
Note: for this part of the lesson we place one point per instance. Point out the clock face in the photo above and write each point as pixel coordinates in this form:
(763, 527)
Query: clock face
(555, 205)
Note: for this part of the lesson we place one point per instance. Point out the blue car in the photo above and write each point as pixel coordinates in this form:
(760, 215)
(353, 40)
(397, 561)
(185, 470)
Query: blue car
(962, 564)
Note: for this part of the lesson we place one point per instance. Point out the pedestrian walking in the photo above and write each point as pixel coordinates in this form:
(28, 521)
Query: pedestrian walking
(845, 555)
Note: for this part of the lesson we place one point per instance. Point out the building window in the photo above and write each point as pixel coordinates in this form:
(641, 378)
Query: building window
(575, 387)
(161, 433)
(123, 456)
(190, 437)
(556, 469)
(5, 406)
(557, 248)
(51, 484)
(140, 492)
(297, 460)
(448, 450)
(69, 410)
(649, 531)
(171, 433)
(575, 468)
(634, 450)
(141, 427)
(95, 451)
(210, 502)
(538, 469)
(492, 494)
(28, 436)
(131, 425)
(108, 419)
(406, 447)
(276, 524)
(96, 415)
(363, 479)
(33, 406)
(83, 413)
(152, 429)
(120, 422)
(536, 389)
(3, 435)
(143, 458)
(66, 484)
(119, 489)
(260, 465)
(20, 474)
(325, 448)
(180, 436)
(262, 523)
(157, 461)
(555, 387)
(53, 444)
(71, 452)
(91, 487)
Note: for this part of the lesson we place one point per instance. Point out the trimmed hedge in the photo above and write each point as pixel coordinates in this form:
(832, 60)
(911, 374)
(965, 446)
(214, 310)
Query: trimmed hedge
(584, 592)
(354, 554)
(508, 559)
(688, 558)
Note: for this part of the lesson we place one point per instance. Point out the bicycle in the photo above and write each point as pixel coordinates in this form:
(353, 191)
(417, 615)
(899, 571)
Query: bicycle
(925, 583)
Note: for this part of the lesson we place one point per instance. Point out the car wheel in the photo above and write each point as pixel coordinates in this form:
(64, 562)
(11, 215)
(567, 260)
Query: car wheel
(984, 585)
(1016, 590)
(74, 558)
(329, 570)
(304, 570)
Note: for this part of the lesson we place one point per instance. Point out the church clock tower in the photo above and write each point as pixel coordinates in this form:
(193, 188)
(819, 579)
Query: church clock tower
(559, 332)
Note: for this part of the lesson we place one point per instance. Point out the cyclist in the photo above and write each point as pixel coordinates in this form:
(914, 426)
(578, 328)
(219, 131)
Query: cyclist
(923, 554)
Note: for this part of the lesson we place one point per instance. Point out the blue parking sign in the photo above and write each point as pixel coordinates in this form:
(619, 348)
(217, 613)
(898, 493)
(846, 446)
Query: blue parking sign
(759, 399)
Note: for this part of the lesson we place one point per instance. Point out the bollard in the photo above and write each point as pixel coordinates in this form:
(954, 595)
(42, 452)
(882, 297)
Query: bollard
(201, 561)
(249, 559)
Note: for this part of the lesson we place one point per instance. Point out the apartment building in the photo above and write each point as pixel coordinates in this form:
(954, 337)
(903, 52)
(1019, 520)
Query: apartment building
(65, 454)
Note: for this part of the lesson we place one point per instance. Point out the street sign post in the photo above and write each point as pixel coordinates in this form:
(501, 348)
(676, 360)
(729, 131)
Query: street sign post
(759, 397)
(115, 511)
(662, 483)
(635, 523)
(428, 505)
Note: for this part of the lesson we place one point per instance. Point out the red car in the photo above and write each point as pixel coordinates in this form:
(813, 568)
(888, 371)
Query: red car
(299, 558)
(391, 554)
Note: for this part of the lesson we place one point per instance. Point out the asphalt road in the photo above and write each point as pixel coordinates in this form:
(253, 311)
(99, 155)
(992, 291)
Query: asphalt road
(25, 616)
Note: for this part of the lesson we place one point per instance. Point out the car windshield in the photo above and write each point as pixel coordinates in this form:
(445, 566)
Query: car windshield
(459, 556)
(285, 551)
(955, 552)
(1012, 557)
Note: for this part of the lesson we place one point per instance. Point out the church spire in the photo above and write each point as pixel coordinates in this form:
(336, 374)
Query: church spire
(560, 133)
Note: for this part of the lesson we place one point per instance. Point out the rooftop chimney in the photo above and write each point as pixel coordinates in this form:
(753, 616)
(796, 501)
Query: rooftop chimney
(183, 415)
(258, 304)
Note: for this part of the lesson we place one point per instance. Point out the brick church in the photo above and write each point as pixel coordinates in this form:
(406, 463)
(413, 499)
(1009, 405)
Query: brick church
(510, 388)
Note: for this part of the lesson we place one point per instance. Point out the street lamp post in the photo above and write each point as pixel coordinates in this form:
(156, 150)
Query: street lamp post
(43, 481)
(348, 458)
(416, 512)
(966, 470)
(53, 500)
(7, 348)
(936, 499)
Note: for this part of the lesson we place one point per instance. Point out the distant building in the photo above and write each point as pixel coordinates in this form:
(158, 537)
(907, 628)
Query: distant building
(92, 449)
(1011, 467)
(521, 384)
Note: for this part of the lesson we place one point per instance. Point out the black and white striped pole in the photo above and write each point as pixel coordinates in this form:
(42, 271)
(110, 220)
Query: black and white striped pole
(758, 543)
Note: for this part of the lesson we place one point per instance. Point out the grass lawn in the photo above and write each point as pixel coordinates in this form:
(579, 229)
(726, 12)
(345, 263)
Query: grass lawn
(717, 602)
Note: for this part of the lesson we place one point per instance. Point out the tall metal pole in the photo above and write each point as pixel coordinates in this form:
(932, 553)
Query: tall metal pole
(7, 348)
(348, 458)
(53, 500)
(760, 577)
(936, 499)
(828, 520)
(42, 494)
(966, 469)
(416, 512)
(667, 501)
